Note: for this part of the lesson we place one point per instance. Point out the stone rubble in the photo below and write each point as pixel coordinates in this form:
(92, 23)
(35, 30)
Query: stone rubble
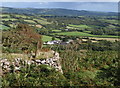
(52, 62)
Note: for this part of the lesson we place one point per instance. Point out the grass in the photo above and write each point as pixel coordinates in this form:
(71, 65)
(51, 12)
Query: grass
(74, 33)
(56, 30)
(6, 19)
(40, 55)
(16, 15)
(3, 15)
(110, 21)
(79, 26)
(44, 55)
(30, 21)
(47, 38)
(84, 34)
(3, 27)
(11, 56)
(87, 31)
(43, 21)
(23, 16)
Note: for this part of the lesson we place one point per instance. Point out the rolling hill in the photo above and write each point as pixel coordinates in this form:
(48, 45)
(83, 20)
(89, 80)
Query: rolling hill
(54, 11)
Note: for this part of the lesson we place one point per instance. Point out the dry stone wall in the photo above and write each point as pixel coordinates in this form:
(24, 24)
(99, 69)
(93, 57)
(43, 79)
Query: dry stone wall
(53, 62)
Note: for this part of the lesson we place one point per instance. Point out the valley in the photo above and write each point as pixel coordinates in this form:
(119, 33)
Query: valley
(59, 47)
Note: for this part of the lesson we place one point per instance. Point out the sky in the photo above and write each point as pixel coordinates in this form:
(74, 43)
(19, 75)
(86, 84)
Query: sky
(59, 0)
(89, 6)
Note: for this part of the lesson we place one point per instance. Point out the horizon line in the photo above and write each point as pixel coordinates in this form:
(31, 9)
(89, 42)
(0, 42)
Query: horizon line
(55, 8)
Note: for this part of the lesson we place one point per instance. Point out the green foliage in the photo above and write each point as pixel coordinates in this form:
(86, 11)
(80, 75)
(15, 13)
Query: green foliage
(42, 31)
(97, 26)
(98, 65)
(105, 31)
(76, 33)
(23, 37)
(104, 46)
(97, 32)
(95, 68)
(90, 68)
(3, 27)
(33, 75)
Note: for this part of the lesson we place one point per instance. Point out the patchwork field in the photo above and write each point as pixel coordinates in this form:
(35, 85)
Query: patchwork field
(42, 21)
(47, 38)
(85, 55)
(71, 26)
(56, 30)
(79, 26)
(4, 27)
(84, 34)
(30, 21)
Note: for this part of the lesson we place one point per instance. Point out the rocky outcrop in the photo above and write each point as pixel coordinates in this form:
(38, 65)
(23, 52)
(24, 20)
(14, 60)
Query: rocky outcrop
(53, 62)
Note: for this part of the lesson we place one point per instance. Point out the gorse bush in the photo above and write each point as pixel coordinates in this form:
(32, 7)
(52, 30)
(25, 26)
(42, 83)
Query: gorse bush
(33, 75)
(93, 68)
(90, 67)
(80, 68)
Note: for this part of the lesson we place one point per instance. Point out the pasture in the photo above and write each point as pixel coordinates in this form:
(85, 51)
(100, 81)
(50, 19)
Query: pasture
(47, 38)
(3, 27)
(75, 33)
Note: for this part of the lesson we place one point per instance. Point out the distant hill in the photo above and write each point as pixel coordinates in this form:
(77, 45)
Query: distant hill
(54, 11)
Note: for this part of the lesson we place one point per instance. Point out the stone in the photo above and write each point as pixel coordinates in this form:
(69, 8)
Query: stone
(1, 64)
(47, 61)
(52, 62)
(43, 61)
(5, 66)
(6, 63)
(3, 60)
(17, 68)
(38, 61)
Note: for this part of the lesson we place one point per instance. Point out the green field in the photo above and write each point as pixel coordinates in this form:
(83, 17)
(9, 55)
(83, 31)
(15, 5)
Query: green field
(3, 15)
(47, 38)
(42, 21)
(87, 31)
(7, 19)
(4, 27)
(56, 30)
(110, 21)
(78, 26)
(30, 21)
(23, 16)
(84, 34)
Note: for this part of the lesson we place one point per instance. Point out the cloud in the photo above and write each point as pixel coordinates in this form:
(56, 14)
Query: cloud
(43, 3)
(40, 3)
(59, 1)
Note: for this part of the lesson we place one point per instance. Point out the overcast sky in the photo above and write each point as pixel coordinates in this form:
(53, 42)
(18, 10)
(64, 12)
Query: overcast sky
(89, 6)
(59, 0)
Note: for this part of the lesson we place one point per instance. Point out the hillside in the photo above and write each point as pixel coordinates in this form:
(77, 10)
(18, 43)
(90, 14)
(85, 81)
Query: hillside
(59, 47)
(54, 11)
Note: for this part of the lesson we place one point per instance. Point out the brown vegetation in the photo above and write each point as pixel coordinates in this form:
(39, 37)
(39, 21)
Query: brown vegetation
(23, 37)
